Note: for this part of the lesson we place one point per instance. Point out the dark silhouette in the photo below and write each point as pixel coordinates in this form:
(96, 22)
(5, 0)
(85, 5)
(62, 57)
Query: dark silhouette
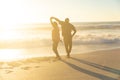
(55, 37)
(94, 74)
(67, 34)
(112, 70)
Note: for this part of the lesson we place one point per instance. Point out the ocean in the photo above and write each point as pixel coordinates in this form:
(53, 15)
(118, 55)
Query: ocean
(34, 40)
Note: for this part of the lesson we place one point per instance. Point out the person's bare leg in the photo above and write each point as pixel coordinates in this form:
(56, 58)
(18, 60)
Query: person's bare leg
(66, 46)
(70, 46)
(55, 45)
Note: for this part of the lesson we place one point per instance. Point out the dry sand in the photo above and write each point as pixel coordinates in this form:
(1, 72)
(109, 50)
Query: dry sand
(99, 65)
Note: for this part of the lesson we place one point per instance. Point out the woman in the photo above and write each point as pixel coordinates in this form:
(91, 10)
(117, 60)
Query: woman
(55, 38)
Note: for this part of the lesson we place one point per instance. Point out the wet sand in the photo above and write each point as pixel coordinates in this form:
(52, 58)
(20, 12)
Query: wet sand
(99, 65)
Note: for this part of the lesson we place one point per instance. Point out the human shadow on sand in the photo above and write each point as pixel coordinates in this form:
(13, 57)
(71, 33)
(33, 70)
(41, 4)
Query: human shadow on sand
(105, 68)
(97, 75)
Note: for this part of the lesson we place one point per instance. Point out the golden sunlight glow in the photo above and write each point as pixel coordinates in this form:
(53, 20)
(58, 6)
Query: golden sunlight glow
(34, 11)
(10, 34)
(10, 54)
(19, 12)
(9, 12)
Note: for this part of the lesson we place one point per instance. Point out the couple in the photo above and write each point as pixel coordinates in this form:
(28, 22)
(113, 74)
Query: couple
(67, 34)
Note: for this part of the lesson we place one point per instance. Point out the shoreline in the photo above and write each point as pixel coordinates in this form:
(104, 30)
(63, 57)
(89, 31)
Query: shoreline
(97, 65)
(46, 58)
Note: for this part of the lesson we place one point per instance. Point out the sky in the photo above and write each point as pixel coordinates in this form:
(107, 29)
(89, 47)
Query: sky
(35, 11)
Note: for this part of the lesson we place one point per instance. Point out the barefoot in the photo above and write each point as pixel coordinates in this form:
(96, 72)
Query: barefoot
(58, 58)
(68, 56)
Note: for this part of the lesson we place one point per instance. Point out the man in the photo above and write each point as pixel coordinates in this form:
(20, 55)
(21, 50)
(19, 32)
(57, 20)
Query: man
(67, 29)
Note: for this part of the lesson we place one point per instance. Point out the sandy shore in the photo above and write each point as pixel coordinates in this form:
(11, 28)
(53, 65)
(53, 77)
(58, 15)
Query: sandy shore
(99, 65)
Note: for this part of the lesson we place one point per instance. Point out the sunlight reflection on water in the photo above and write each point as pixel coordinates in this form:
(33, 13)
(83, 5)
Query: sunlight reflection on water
(10, 54)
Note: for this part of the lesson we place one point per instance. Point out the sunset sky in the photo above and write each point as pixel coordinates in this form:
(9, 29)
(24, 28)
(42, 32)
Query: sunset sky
(27, 11)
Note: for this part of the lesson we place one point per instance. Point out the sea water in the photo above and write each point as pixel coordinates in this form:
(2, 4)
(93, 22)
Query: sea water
(33, 40)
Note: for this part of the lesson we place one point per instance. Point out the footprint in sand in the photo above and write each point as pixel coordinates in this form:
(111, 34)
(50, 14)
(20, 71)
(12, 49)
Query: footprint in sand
(37, 66)
(25, 68)
(8, 71)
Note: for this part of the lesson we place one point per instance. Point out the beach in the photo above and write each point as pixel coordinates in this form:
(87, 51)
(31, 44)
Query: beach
(34, 32)
(98, 65)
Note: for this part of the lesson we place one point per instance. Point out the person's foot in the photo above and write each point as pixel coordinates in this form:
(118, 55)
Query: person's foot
(58, 57)
(68, 56)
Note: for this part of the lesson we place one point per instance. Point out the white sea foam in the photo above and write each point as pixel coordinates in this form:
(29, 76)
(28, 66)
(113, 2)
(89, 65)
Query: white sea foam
(89, 37)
